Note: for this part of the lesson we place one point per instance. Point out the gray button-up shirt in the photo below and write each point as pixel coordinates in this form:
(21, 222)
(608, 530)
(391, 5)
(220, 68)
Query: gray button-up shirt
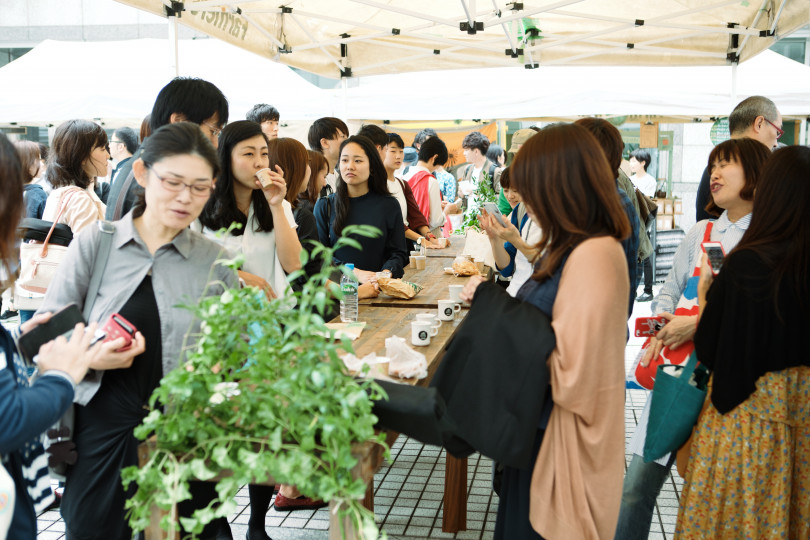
(180, 273)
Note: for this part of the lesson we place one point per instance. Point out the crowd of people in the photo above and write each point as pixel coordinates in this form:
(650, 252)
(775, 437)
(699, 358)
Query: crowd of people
(569, 239)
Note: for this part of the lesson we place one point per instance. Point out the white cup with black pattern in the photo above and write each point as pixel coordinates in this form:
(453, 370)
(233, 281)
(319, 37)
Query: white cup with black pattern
(421, 332)
(448, 309)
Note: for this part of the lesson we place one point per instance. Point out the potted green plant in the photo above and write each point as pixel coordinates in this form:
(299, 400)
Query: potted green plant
(262, 393)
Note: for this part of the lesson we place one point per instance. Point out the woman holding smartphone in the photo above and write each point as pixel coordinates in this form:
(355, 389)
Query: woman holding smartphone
(156, 264)
(362, 198)
(735, 167)
(754, 429)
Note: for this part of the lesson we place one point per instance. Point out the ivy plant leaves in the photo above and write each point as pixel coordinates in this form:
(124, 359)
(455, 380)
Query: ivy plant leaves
(262, 394)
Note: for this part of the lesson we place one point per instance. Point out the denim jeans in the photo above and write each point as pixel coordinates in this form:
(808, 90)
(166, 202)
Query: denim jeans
(26, 315)
(642, 484)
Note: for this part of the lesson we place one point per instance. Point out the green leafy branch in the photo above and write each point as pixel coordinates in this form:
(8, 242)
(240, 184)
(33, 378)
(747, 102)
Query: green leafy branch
(262, 394)
(482, 193)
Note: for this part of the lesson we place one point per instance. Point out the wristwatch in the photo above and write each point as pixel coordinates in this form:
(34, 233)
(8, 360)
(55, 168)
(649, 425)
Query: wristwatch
(419, 240)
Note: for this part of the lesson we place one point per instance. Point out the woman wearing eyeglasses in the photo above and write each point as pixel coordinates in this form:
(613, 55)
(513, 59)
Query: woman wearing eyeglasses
(156, 263)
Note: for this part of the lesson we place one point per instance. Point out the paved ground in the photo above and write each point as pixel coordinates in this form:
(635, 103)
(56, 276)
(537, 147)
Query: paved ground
(409, 491)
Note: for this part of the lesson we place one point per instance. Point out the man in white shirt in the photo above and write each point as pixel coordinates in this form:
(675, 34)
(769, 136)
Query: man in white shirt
(325, 136)
(645, 182)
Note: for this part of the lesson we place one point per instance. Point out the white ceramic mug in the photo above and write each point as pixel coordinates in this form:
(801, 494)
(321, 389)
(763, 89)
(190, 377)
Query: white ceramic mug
(448, 309)
(421, 331)
(429, 317)
(455, 292)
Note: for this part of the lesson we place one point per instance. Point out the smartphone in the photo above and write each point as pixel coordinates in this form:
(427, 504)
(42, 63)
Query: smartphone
(649, 326)
(492, 210)
(61, 323)
(714, 252)
(117, 327)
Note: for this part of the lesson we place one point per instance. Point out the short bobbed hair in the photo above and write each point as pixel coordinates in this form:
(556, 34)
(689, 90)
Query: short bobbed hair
(750, 154)
(72, 145)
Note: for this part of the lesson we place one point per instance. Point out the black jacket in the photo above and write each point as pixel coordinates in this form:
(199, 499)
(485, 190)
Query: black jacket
(494, 378)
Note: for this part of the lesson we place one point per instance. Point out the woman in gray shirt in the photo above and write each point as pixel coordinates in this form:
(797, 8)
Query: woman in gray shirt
(155, 264)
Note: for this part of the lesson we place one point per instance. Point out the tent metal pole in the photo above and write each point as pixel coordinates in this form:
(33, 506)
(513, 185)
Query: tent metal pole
(175, 56)
(344, 85)
(734, 81)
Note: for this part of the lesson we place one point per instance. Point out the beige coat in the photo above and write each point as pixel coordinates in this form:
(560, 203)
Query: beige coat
(577, 480)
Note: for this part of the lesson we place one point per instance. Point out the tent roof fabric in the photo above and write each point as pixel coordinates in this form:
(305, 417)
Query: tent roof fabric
(367, 37)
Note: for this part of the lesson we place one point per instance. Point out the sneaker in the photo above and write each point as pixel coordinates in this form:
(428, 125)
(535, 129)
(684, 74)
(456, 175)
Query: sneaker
(285, 504)
(646, 297)
(7, 314)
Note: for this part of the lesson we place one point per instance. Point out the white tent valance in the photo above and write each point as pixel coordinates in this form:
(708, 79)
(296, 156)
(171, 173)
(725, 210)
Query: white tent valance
(59, 80)
(367, 37)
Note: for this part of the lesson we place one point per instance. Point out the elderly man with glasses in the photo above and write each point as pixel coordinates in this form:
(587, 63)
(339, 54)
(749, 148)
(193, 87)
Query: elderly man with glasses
(755, 117)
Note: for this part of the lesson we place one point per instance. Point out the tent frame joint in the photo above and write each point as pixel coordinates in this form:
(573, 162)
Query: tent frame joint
(176, 9)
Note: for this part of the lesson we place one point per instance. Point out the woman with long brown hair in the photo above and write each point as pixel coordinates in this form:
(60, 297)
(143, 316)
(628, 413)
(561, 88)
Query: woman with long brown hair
(580, 282)
(29, 409)
(754, 431)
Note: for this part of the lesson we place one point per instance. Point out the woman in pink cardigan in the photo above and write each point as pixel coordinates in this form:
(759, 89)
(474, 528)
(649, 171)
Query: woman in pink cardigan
(580, 281)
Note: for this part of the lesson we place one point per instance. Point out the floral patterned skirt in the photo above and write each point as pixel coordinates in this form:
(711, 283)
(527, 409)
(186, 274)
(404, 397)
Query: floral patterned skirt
(749, 472)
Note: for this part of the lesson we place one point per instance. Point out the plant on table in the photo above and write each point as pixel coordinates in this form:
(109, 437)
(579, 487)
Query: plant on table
(483, 193)
(261, 394)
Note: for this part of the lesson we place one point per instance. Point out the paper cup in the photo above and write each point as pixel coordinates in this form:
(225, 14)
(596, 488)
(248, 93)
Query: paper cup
(412, 261)
(442, 242)
(264, 177)
(420, 262)
(480, 264)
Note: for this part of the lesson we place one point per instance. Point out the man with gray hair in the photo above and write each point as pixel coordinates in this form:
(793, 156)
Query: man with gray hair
(755, 117)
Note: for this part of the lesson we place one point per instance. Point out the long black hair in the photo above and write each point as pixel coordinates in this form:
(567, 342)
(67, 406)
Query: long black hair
(377, 180)
(221, 210)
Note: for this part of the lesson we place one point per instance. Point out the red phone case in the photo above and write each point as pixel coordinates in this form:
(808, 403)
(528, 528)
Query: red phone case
(117, 327)
(649, 326)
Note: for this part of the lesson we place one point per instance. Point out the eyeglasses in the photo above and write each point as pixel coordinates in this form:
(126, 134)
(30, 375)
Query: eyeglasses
(176, 186)
(215, 131)
(779, 131)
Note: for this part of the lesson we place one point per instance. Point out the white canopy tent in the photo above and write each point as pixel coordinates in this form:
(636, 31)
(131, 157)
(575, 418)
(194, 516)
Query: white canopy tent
(661, 93)
(59, 80)
(365, 37)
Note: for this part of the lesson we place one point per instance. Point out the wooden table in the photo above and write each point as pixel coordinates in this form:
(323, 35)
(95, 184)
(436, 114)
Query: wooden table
(383, 321)
(434, 281)
(455, 248)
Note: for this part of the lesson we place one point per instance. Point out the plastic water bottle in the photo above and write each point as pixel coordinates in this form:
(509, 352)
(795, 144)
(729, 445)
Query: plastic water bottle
(348, 304)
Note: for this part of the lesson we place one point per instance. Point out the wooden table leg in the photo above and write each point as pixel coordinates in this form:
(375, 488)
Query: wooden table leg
(454, 517)
(368, 500)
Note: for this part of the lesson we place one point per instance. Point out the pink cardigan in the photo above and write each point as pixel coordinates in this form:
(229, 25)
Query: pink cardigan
(577, 479)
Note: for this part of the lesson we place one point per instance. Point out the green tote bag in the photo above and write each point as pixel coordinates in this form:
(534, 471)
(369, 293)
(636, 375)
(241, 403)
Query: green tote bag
(677, 398)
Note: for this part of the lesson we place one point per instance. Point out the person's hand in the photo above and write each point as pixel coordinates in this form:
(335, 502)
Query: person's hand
(370, 289)
(430, 244)
(652, 351)
(36, 320)
(468, 291)
(275, 192)
(510, 233)
(706, 276)
(365, 276)
(678, 330)
(72, 356)
(252, 280)
(451, 207)
(109, 357)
